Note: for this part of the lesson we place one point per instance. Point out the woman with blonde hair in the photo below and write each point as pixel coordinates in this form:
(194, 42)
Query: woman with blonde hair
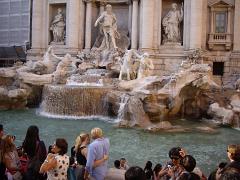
(79, 153)
(11, 159)
(79, 150)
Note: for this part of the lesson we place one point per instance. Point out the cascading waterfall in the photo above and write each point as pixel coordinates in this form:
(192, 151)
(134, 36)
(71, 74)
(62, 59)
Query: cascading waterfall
(121, 111)
(62, 100)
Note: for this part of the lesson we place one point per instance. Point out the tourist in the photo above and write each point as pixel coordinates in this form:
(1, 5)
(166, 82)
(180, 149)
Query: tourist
(96, 151)
(79, 153)
(156, 171)
(115, 173)
(135, 173)
(230, 174)
(57, 164)
(2, 165)
(79, 150)
(189, 164)
(123, 164)
(11, 159)
(189, 176)
(36, 153)
(216, 172)
(233, 152)
(148, 170)
(174, 168)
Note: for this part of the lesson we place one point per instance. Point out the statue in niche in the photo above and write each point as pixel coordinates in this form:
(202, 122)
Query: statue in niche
(58, 28)
(171, 24)
(145, 66)
(108, 26)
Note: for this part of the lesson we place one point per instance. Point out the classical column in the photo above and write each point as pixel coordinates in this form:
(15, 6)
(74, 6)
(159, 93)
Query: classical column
(102, 5)
(229, 21)
(147, 24)
(212, 20)
(73, 24)
(134, 36)
(82, 23)
(157, 25)
(88, 29)
(196, 24)
(236, 41)
(186, 23)
(130, 18)
(37, 24)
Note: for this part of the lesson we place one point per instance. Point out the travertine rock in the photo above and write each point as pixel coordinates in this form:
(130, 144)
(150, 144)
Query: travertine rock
(225, 116)
(35, 79)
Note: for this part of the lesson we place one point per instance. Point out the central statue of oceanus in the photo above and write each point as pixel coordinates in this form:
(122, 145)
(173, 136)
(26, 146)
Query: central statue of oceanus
(108, 26)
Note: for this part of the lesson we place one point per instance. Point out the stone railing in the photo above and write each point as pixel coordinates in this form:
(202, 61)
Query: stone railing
(220, 39)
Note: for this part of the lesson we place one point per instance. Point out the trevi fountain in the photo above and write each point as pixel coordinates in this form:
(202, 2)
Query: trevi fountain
(112, 86)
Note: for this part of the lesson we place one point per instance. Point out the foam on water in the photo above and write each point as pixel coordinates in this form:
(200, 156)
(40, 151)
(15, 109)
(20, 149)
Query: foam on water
(57, 116)
(85, 84)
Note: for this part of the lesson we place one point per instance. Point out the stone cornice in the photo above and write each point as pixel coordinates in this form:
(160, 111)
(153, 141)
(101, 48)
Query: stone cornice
(88, 1)
(108, 1)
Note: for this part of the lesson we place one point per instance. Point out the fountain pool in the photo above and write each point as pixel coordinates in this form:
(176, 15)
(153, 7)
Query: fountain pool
(135, 145)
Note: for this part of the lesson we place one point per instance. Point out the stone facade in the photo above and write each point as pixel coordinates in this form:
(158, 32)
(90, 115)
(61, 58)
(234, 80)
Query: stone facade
(210, 25)
(15, 22)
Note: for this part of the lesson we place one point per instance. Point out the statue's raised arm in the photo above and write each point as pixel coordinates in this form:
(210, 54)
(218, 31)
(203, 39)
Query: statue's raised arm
(99, 19)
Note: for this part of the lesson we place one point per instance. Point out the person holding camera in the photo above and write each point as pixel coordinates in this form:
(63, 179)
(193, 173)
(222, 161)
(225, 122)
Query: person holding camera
(11, 159)
(2, 165)
(173, 169)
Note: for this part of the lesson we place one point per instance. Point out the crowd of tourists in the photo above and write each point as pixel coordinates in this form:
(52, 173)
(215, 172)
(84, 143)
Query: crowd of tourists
(89, 161)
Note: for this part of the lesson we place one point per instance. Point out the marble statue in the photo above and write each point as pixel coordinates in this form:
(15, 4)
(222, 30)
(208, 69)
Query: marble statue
(108, 26)
(145, 66)
(58, 27)
(65, 68)
(171, 24)
(126, 65)
(48, 64)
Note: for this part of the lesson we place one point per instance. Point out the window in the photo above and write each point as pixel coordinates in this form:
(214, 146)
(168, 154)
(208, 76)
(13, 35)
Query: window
(221, 22)
(218, 68)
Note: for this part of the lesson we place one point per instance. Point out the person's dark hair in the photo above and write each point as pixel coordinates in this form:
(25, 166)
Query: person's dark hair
(50, 149)
(117, 164)
(122, 159)
(230, 174)
(157, 168)
(71, 161)
(1, 127)
(148, 166)
(30, 141)
(62, 145)
(189, 176)
(135, 173)
(174, 153)
(189, 163)
(222, 165)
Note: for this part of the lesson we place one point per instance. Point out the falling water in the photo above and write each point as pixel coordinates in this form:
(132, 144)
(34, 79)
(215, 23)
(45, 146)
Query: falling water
(122, 105)
(74, 101)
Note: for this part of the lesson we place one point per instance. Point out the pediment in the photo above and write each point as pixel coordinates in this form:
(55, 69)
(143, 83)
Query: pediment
(214, 3)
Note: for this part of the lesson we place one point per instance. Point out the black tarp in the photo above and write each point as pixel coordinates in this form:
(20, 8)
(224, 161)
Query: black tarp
(9, 55)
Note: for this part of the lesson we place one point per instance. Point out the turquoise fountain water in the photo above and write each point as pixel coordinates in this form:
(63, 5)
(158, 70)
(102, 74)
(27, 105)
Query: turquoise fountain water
(135, 145)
